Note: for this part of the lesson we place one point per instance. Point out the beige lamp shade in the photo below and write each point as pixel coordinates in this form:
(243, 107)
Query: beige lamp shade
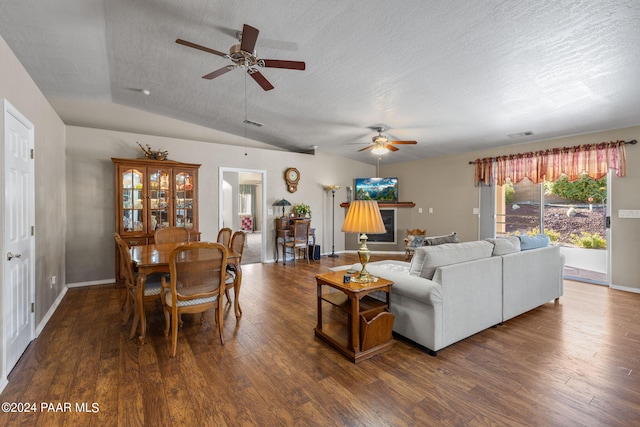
(363, 216)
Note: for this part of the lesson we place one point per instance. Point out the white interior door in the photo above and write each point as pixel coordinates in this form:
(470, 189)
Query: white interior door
(19, 243)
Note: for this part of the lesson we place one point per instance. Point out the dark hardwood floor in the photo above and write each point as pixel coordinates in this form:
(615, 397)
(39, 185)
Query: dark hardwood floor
(576, 362)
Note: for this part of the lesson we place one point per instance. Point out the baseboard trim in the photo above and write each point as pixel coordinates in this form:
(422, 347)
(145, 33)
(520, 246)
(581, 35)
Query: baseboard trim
(625, 288)
(91, 283)
(355, 251)
(50, 312)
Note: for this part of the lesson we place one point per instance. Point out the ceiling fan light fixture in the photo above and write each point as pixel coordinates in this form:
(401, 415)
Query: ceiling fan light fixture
(244, 56)
(379, 150)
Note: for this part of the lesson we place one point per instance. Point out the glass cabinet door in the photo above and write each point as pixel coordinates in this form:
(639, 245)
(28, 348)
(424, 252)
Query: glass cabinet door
(184, 209)
(133, 200)
(159, 199)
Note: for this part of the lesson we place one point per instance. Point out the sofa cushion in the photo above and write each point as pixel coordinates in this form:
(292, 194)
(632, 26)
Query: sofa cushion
(440, 240)
(534, 242)
(505, 245)
(428, 258)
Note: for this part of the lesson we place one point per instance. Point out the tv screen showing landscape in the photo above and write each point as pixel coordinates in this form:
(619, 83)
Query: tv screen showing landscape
(380, 189)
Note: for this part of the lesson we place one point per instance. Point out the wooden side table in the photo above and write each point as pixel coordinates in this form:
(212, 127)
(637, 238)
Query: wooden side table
(367, 332)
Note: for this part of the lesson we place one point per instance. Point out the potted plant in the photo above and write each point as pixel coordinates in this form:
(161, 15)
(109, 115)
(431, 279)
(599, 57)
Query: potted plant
(301, 210)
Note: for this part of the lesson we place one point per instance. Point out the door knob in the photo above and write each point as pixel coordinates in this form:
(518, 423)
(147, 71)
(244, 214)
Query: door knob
(10, 256)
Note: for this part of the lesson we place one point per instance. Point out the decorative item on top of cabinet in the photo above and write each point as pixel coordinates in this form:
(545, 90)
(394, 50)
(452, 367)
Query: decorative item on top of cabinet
(153, 155)
(152, 194)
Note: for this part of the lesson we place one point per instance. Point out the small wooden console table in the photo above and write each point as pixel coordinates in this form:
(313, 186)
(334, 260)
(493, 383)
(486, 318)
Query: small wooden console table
(367, 332)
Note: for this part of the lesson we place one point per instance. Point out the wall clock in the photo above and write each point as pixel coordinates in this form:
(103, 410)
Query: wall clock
(292, 176)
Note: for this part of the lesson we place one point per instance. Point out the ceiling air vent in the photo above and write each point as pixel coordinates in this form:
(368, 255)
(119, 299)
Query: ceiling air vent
(520, 135)
(256, 124)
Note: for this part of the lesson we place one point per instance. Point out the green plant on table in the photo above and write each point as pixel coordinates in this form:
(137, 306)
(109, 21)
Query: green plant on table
(301, 210)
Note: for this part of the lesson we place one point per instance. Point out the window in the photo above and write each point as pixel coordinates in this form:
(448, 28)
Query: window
(244, 204)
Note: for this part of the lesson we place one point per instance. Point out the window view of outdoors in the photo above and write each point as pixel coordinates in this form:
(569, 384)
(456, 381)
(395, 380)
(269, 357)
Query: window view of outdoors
(573, 213)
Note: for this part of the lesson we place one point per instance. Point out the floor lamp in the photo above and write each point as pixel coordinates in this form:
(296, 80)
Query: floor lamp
(333, 189)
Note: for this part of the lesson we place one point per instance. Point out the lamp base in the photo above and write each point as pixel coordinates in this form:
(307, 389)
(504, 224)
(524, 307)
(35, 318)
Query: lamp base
(333, 255)
(364, 255)
(366, 278)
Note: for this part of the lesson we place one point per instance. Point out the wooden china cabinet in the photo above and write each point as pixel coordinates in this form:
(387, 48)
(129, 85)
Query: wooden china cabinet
(152, 194)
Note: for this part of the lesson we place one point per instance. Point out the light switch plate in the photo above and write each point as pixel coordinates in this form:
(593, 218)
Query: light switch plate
(628, 213)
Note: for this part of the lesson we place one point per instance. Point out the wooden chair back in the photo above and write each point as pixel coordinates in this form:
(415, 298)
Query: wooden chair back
(237, 243)
(300, 241)
(417, 232)
(126, 265)
(198, 273)
(129, 275)
(233, 269)
(171, 235)
(301, 233)
(224, 236)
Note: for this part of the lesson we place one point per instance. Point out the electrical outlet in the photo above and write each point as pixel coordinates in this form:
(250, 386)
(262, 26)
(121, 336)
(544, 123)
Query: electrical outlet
(419, 210)
(476, 211)
(52, 281)
(430, 210)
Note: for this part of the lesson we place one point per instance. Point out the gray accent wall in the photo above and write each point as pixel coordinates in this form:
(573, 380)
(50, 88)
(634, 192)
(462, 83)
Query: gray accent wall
(91, 190)
(50, 191)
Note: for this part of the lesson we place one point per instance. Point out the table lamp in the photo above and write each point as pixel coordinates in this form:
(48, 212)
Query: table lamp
(282, 203)
(363, 217)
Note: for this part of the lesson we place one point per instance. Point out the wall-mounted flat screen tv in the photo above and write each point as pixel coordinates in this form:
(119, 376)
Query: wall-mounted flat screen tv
(380, 189)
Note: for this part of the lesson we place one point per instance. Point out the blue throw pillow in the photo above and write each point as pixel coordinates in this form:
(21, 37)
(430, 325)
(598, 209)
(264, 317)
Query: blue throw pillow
(417, 241)
(534, 242)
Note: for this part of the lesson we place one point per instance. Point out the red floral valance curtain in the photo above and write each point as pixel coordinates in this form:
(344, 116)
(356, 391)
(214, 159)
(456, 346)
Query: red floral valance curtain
(593, 159)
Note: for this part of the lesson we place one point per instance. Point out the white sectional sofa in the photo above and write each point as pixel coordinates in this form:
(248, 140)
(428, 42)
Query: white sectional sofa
(452, 291)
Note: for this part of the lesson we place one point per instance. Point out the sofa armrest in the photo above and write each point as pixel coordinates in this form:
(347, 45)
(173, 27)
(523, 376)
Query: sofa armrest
(415, 287)
(531, 278)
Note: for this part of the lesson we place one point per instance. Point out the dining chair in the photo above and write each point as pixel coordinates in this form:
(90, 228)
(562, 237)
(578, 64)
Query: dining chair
(171, 234)
(300, 242)
(197, 284)
(152, 287)
(224, 236)
(413, 240)
(232, 280)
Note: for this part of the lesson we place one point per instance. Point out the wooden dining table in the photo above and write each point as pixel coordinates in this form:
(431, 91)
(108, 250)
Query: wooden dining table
(149, 259)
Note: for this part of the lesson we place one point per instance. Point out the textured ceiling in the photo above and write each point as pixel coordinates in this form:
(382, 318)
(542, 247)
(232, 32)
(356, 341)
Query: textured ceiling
(453, 75)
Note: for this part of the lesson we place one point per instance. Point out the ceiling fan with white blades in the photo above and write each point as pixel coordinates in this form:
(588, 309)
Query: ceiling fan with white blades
(381, 144)
(244, 56)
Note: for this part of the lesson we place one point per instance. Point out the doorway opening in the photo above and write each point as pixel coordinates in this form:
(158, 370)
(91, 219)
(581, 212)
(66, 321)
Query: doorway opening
(242, 196)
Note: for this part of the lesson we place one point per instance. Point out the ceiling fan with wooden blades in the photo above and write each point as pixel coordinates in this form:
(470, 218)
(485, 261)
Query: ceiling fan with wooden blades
(380, 144)
(243, 55)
